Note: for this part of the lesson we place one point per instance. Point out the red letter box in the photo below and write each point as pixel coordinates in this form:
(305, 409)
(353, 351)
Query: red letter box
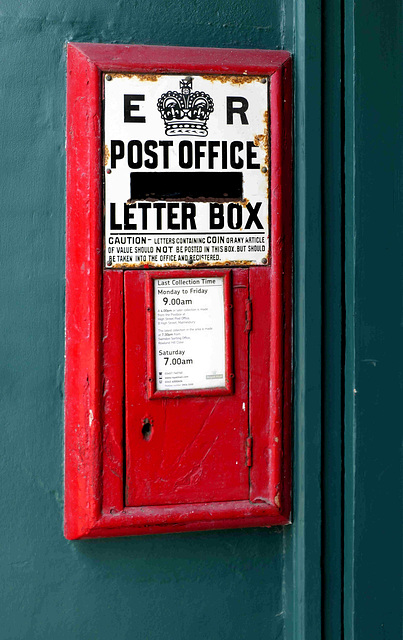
(178, 318)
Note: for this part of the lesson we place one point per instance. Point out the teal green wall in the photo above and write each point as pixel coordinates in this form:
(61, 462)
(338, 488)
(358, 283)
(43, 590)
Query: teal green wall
(374, 322)
(336, 569)
(208, 585)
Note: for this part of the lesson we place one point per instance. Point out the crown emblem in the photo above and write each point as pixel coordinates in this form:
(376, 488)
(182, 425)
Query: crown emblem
(185, 113)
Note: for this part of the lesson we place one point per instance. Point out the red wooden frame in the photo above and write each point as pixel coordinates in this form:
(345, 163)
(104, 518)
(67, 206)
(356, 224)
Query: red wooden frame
(229, 359)
(94, 456)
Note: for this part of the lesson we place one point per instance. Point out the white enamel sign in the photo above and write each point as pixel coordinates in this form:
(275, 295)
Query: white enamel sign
(189, 333)
(186, 170)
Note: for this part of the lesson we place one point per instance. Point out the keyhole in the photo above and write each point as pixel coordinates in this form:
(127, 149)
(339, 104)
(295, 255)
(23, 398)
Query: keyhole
(147, 429)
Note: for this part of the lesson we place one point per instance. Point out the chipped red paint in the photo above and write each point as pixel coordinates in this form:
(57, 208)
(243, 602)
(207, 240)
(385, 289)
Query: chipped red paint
(94, 387)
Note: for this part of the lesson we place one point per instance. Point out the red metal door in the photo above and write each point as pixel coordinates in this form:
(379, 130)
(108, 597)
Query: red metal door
(185, 449)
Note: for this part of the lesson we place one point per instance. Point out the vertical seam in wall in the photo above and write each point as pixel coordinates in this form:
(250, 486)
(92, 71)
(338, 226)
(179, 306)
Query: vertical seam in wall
(304, 599)
(333, 332)
(323, 328)
(349, 304)
(343, 300)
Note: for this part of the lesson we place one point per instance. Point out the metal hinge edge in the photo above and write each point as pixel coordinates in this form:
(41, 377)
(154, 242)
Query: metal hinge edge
(248, 315)
(248, 451)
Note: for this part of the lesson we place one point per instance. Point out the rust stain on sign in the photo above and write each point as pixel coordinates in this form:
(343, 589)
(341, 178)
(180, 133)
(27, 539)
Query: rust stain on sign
(146, 77)
(223, 78)
(107, 155)
(264, 143)
(259, 140)
(245, 79)
(266, 138)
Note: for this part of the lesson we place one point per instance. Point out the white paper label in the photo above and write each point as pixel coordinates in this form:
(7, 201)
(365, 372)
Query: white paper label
(189, 333)
(186, 171)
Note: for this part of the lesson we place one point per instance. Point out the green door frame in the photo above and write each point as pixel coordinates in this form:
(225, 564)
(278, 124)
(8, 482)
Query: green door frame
(347, 290)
